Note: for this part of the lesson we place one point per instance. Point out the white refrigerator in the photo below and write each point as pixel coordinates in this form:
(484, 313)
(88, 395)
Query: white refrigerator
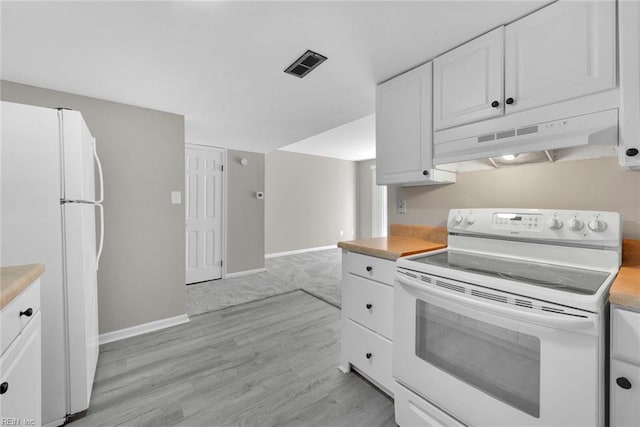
(48, 210)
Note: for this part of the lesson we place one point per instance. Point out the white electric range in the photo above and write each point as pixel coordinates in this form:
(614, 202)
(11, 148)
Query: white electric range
(507, 325)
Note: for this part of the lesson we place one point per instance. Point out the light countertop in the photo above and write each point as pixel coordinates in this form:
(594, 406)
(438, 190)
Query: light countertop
(625, 290)
(15, 279)
(404, 240)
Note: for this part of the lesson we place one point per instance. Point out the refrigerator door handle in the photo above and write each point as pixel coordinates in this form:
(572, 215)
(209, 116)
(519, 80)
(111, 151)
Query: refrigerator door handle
(101, 208)
(100, 175)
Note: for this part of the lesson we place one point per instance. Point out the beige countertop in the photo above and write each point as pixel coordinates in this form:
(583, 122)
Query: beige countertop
(16, 279)
(625, 289)
(404, 240)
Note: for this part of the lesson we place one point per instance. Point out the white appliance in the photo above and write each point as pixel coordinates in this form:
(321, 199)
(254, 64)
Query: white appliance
(523, 133)
(48, 207)
(506, 326)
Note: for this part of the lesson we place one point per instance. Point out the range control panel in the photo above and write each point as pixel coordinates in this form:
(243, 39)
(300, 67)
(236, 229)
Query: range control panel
(539, 224)
(517, 221)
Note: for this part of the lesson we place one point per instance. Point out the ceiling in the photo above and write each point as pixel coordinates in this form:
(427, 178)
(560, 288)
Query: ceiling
(354, 141)
(220, 64)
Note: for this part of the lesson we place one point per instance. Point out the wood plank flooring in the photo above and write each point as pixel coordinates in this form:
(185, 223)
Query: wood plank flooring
(271, 362)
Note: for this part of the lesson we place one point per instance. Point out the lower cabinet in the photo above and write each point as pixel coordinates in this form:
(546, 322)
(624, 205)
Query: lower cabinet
(367, 318)
(624, 371)
(20, 363)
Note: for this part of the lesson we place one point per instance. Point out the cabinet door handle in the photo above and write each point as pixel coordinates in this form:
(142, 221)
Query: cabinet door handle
(4, 387)
(495, 104)
(425, 173)
(631, 152)
(509, 101)
(28, 312)
(368, 355)
(623, 383)
(369, 306)
(369, 268)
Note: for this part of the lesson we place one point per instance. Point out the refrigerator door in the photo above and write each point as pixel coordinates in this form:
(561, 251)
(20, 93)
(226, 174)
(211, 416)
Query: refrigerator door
(82, 300)
(78, 158)
(30, 222)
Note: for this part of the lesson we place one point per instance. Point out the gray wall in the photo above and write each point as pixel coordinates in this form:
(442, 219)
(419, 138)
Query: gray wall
(142, 270)
(309, 200)
(598, 184)
(245, 213)
(365, 209)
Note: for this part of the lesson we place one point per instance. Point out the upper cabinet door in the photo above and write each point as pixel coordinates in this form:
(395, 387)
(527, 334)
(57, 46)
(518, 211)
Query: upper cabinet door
(468, 81)
(403, 127)
(563, 51)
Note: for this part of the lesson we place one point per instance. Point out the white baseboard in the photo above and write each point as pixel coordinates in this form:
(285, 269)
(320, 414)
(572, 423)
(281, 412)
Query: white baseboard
(300, 251)
(142, 329)
(244, 273)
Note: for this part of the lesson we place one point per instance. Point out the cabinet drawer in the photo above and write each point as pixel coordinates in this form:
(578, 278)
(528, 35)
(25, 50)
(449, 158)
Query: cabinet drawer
(369, 352)
(625, 408)
(381, 270)
(369, 303)
(626, 334)
(413, 410)
(11, 322)
(20, 369)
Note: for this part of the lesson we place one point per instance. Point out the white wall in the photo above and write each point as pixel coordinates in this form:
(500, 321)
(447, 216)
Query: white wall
(309, 200)
(245, 213)
(598, 184)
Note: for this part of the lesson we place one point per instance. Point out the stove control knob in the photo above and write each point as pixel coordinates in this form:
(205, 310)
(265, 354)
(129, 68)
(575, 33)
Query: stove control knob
(457, 219)
(471, 219)
(575, 224)
(554, 223)
(597, 225)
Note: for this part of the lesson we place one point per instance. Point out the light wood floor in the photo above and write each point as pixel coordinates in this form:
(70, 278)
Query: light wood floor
(271, 362)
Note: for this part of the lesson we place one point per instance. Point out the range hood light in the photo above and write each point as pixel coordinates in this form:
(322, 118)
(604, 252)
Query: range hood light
(509, 157)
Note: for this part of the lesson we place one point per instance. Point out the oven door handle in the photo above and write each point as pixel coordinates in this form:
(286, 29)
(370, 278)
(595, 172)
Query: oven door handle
(548, 319)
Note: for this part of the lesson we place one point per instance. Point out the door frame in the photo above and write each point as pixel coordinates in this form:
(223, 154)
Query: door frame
(222, 151)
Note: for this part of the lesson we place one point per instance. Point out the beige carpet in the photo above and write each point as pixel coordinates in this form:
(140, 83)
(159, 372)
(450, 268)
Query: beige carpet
(317, 273)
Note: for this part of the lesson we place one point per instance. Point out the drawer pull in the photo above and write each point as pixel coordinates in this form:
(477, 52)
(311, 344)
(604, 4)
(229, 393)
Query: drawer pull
(368, 355)
(28, 312)
(369, 306)
(623, 383)
(369, 268)
(4, 387)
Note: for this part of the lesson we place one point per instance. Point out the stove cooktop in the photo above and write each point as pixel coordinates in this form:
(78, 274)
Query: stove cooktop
(562, 278)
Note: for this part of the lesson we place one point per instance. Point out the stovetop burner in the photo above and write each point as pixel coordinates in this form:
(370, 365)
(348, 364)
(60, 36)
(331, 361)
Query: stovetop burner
(561, 278)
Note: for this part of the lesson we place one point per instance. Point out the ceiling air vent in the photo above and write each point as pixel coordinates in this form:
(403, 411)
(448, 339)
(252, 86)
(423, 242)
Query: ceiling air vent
(305, 64)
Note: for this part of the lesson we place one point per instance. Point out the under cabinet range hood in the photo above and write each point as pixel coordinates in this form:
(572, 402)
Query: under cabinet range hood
(484, 141)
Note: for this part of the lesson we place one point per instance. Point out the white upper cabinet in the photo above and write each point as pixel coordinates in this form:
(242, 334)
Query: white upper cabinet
(629, 21)
(563, 51)
(468, 81)
(404, 132)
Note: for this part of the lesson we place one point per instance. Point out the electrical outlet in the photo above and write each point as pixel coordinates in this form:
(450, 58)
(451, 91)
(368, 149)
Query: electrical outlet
(402, 206)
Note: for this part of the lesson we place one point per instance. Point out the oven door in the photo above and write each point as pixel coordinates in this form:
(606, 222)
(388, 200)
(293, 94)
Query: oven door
(486, 358)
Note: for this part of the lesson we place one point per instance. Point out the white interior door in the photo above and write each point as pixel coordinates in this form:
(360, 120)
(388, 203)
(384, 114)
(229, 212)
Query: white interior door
(204, 167)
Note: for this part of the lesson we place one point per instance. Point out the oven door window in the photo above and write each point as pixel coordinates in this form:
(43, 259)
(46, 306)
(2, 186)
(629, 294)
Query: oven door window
(500, 362)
